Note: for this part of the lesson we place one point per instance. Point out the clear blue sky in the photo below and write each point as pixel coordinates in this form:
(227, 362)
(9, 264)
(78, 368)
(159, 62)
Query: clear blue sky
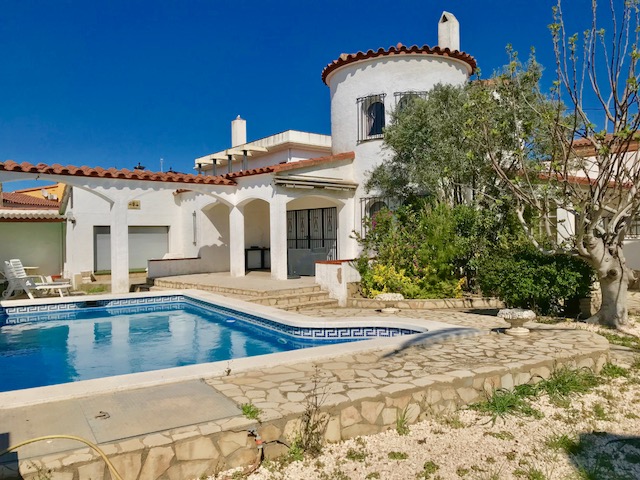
(119, 82)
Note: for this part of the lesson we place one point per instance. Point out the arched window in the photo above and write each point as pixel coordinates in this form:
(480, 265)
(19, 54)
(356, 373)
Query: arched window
(375, 207)
(375, 119)
(404, 99)
(371, 117)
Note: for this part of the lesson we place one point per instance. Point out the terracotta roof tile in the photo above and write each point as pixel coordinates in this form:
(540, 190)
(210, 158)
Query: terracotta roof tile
(84, 171)
(310, 162)
(20, 200)
(399, 49)
(584, 146)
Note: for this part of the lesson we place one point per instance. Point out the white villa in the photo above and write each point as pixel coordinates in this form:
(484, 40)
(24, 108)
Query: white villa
(279, 203)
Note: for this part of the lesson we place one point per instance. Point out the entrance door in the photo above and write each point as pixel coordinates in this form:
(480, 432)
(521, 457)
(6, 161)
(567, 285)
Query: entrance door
(314, 229)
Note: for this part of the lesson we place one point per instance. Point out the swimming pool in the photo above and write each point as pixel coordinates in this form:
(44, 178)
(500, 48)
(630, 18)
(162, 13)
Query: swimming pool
(68, 341)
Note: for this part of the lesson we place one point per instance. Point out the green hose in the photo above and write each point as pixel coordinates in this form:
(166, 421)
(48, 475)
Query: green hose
(114, 472)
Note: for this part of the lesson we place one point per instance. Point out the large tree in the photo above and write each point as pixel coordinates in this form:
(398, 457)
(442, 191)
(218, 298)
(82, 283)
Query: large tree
(547, 152)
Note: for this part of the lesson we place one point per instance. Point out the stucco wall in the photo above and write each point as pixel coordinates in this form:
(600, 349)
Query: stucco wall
(381, 75)
(157, 208)
(335, 277)
(386, 75)
(36, 244)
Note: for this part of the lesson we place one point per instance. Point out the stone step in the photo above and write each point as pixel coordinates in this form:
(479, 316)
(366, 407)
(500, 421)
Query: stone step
(245, 294)
(290, 299)
(327, 303)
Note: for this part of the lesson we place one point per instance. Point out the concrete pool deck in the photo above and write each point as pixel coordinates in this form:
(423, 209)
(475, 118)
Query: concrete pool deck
(362, 392)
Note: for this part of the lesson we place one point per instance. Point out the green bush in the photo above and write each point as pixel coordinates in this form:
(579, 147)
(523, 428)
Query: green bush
(431, 251)
(526, 278)
(414, 252)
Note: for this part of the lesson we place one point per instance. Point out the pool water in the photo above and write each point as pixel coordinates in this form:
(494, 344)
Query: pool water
(94, 343)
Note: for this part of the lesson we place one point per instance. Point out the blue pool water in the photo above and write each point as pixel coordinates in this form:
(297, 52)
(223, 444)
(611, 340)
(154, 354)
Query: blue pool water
(39, 349)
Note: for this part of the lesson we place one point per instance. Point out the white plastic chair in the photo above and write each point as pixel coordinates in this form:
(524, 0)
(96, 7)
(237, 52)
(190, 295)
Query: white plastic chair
(30, 284)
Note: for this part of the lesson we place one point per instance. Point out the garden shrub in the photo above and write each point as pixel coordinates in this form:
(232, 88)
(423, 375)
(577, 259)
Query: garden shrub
(527, 278)
(414, 252)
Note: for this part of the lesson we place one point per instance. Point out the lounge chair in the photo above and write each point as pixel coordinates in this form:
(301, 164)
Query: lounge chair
(30, 284)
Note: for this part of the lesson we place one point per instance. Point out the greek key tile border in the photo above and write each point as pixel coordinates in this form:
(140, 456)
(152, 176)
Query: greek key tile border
(67, 311)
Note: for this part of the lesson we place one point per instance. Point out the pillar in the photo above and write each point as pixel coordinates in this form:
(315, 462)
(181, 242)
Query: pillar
(236, 241)
(119, 233)
(278, 235)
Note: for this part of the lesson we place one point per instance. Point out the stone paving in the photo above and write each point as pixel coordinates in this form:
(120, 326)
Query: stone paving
(360, 393)
(375, 374)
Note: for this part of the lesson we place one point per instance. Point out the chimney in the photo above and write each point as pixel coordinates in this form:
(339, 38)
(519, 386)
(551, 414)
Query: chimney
(448, 32)
(238, 132)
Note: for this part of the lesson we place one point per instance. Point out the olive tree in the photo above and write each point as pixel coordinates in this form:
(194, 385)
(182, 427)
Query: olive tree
(577, 163)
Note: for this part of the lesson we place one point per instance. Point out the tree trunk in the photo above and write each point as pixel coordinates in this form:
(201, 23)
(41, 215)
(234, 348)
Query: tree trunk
(614, 277)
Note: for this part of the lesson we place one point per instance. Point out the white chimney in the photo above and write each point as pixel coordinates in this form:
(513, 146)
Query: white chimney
(238, 132)
(448, 32)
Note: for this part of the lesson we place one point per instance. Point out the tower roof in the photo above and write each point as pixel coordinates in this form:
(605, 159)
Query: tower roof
(399, 49)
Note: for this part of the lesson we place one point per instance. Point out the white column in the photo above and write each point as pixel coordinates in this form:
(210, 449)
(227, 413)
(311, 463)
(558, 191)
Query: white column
(347, 223)
(278, 235)
(236, 241)
(119, 234)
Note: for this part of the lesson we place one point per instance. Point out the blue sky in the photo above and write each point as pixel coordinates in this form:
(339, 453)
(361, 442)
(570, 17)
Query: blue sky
(120, 82)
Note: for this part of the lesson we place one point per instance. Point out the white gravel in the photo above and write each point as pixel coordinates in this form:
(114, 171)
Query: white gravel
(465, 444)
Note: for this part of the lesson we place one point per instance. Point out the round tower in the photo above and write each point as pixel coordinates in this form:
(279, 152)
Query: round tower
(367, 86)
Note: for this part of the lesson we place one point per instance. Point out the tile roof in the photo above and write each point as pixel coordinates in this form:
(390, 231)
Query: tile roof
(226, 179)
(399, 49)
(585, 147)
(281, 167)
(98, 172)
(21, 200)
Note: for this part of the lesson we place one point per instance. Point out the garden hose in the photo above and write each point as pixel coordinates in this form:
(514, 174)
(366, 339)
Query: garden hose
(112, 470)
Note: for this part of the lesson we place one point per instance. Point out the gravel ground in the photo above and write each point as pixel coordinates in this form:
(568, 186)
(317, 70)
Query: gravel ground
(590, 436)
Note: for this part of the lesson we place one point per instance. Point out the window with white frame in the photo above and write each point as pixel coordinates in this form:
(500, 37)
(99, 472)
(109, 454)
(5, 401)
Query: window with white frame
(371, 117)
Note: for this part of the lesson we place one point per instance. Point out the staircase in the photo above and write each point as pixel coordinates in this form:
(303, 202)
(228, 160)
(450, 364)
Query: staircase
(296, 299)
(293, 298)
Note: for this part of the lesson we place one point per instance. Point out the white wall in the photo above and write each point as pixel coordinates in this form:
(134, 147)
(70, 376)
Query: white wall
(214, 238)
(335, 278)
(157, 208)
(388, 74)
(631, 250)
(256, 224)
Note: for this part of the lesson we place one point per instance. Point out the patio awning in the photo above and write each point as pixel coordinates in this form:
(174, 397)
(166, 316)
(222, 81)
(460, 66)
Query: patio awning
(303, 181)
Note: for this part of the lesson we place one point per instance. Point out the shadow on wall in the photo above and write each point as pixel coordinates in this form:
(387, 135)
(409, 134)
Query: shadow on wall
(215, 258)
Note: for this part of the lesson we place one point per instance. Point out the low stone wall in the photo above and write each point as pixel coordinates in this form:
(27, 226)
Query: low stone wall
(469, 302)
(191, 452)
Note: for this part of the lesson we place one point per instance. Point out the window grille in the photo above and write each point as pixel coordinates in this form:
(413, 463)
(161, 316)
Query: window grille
(634, 228)
(371, 117)
(314, 228)
(404, 99)
(369, 206)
